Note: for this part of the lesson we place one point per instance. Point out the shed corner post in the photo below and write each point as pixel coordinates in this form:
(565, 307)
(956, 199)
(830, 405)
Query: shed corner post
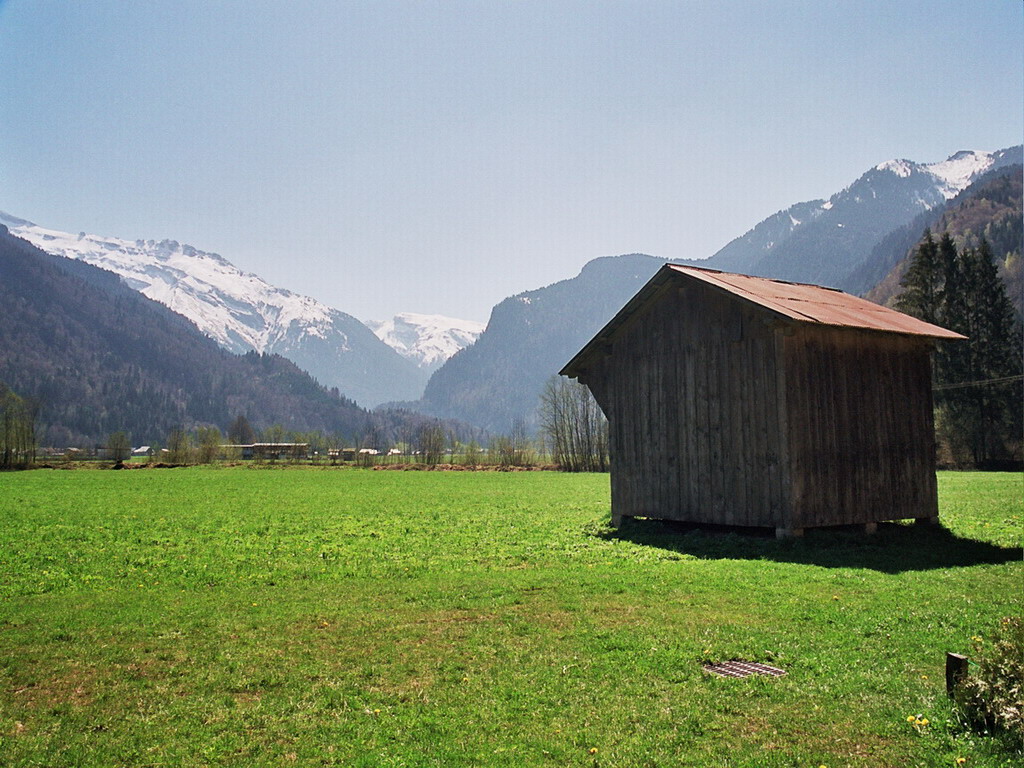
(786, 526)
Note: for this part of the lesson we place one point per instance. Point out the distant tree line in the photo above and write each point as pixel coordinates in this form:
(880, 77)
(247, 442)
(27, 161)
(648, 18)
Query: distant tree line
(978, 382)
(420, 440)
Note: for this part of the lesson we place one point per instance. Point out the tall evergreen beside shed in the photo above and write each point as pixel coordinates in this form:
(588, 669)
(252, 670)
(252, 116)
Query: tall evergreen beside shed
(744, 401)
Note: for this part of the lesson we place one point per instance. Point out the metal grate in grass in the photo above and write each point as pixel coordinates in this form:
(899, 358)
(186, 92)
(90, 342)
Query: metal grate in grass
(737, 668)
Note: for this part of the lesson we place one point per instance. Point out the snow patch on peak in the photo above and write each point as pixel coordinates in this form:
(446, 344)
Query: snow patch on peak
(959, 170)
(902, 168)
(428, 340)
(239, 310)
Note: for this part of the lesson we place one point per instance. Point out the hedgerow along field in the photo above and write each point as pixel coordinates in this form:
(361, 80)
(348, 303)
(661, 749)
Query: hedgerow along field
(239, 616)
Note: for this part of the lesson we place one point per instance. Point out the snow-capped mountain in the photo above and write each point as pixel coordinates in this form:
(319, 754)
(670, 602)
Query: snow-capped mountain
(825, 241)
(242, 312)
(427, 340)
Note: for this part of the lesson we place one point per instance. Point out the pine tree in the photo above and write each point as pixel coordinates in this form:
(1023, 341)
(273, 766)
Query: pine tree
(979, 403)
(987, 409)
(951, 358)
(922, 285)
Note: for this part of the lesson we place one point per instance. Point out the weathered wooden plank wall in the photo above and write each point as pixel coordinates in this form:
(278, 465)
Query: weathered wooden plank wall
(690, 390)
(861, 437)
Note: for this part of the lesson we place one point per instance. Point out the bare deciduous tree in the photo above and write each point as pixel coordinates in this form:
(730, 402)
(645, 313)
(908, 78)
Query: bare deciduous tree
(179, 446)
(515, 449)
(575, 427)
(431, 441)
(208, 441)
(119, 446)
(17, 430)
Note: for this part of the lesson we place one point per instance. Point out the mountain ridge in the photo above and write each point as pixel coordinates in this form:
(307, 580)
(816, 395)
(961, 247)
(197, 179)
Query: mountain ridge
(100, 357)
(787, 244)
(242, 312)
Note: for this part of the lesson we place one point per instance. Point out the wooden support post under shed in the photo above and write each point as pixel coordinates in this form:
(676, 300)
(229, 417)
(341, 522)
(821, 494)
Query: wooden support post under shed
(789, 533)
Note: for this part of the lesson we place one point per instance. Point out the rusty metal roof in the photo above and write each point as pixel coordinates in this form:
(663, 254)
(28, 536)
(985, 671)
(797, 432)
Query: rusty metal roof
(815, 304)
(799, 302)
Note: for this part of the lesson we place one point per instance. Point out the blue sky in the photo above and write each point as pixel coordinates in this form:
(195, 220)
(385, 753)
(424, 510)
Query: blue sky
(439, 156)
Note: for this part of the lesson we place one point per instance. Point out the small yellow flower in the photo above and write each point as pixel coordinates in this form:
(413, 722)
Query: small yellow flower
(923, 721)
(924, 677)
(376, 711)
(961, 760)
(593, 750)
(911, 718)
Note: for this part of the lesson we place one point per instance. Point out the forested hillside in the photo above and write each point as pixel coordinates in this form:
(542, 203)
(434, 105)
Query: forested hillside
(98, 357)
(990, 209)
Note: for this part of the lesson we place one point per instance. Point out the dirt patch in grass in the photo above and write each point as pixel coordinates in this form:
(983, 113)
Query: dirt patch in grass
(75, 688)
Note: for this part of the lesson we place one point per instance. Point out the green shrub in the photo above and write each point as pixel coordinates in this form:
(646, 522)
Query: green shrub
(991, 697)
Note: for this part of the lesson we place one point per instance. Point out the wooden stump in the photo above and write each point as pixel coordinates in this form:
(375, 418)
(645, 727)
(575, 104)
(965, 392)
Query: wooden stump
(956, 671)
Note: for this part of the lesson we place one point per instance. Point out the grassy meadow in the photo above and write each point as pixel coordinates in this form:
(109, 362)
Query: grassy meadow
(285, 616)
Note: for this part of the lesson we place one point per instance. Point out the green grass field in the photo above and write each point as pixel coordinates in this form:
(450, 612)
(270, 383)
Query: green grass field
(345, 617)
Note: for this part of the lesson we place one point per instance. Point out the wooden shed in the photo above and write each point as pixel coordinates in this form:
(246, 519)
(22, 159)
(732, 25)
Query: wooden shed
(745, 401)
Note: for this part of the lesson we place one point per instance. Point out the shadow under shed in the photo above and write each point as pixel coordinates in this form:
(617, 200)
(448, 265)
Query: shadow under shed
(895, 548)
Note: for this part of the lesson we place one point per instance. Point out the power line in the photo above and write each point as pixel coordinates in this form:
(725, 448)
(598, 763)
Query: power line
(986, 382)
